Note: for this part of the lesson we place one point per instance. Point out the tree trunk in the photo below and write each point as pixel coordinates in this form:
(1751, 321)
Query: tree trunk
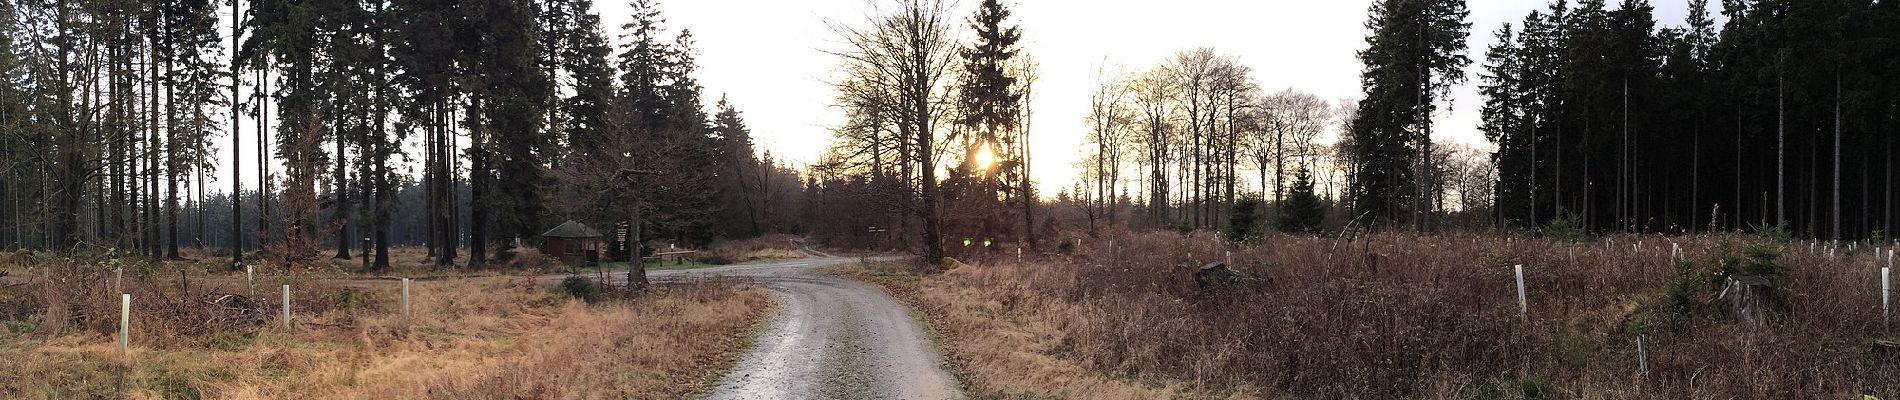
(237, 152)
(1837, 158)
(1781, 153)
(340, 187)
(478, 189)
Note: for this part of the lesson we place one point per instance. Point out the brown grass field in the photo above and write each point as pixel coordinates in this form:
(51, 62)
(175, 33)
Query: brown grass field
(468, 339)
(1405, 316)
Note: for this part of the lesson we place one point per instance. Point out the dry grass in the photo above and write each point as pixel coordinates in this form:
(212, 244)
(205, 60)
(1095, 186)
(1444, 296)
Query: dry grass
(468, 340)
(999, 351)
(1403, 316)
(768, 247)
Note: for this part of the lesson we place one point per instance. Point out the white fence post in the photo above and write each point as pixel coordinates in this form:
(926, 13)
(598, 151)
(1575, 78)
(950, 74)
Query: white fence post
(250, 281)
(286, 306)
(405, 297)
(1523, 308)
(125, 322)
(1642, 355)
(1886, 295)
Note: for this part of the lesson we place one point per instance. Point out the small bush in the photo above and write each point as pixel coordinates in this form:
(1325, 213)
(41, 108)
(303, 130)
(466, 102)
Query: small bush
(1567, 226)
(581, 288)
(1243, 223)
(1754, 259)
(718, 258)
(769, 247)
(530, 258)
(1302, 212)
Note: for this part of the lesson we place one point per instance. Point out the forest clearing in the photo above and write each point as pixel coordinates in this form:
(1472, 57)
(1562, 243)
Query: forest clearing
(1126, 316)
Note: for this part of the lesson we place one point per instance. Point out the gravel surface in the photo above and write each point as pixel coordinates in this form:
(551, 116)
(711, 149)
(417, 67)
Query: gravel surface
(832, 338)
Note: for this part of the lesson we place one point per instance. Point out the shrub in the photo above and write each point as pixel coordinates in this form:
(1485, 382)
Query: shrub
(1243, 223)
(530, 258)
(718, 258)
(580, 288)
(1566, 226)
(769, 247)
(1302, 211)
(1753, 259)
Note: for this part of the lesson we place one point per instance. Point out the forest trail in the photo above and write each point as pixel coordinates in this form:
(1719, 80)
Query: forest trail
(830, 338)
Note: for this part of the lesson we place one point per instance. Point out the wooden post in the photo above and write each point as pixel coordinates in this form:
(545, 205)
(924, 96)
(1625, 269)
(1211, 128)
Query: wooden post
(1523, 307)
(250, 281)
(1886, 296)
(125, 323)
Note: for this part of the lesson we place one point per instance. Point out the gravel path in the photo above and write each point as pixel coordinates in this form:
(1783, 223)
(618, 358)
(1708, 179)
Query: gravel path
(832, 338)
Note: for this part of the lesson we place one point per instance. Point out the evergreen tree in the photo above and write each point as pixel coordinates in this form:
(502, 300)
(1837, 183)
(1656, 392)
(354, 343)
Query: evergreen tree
(509, 88)
(1244, 220)
(1504, 121)
(741, 174)
(1302, 211)
(585, 57)
(1414, 55)
(423, 51)
(990, 106)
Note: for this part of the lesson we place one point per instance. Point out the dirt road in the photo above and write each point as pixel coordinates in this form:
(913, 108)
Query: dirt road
(833, 338)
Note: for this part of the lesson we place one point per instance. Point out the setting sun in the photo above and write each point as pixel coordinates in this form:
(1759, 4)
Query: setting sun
(984, 157)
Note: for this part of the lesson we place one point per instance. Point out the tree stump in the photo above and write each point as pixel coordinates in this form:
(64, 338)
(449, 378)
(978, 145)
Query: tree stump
(1212, 274)
(1887, 349)
(1746, 297)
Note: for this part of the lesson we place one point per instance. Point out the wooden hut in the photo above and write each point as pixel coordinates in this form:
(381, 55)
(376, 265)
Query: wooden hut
(573, 243)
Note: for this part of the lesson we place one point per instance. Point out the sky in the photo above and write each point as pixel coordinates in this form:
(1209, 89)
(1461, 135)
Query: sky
(769, 58)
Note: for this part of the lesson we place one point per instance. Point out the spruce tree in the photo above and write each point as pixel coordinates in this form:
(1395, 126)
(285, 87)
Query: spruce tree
(989, 105)
(1302, 211)
(1414, 55)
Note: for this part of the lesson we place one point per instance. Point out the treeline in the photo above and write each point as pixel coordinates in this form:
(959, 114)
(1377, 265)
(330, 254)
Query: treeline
(1176, 145)
(918, 98)
(1782, 117)
(520, 114)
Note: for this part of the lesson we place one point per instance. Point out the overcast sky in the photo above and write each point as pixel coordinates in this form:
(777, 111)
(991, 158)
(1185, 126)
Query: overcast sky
(768, 57)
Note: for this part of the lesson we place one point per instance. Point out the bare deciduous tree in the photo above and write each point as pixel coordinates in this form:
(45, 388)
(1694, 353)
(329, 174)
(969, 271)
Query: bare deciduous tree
(905, 58)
